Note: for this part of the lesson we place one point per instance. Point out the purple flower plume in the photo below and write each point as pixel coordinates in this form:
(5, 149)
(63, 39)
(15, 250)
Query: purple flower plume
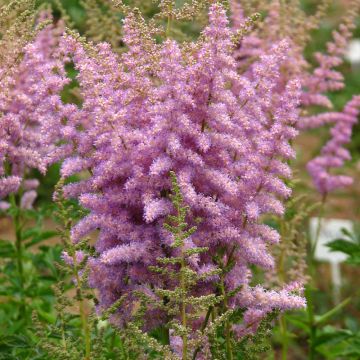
(225, 135)
(334, 154)
(316, 82)
(30, 105)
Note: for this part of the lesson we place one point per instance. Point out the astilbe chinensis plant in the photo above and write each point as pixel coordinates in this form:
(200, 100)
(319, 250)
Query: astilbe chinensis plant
(180, 150)
(30, 104)
(153, 110)
(31, 79)
(11, 54)
(325, 79)
(316, 81)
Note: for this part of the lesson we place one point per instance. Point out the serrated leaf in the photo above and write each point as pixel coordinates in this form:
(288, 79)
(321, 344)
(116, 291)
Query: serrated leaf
(344, 246)
(42, 236)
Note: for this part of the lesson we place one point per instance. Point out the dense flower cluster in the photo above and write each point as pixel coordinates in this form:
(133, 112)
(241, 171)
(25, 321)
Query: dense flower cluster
(29, 105)
(153, 110)
(316, 82)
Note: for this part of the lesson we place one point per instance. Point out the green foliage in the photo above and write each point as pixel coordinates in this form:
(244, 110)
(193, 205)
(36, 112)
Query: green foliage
(27, 274)
(334, 343)
(46, 307)
(215, 338)
(349, 245)
(75, 331)
(325, 339)
(179, 302)
(255, 346)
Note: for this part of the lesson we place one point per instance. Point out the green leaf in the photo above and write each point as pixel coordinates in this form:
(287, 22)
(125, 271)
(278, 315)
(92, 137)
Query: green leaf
(332, 335)
(7, 249)
(332, 312)
(344, 246)
(39, 237)
(347, 233)
(48, 317)
(299, 321)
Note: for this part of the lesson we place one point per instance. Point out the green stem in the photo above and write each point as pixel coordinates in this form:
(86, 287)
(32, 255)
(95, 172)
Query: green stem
(229, 353)
(83, 316)
(78, 281)
(309, 290)
(318, 229)
(183, 307)
(282, 319)
(203, 327)
(63, 335)
(165, 335)
(284, 336)
(19, 254)
(227, 329)
(112, 342)
(168, 27)
(312, 324)
(169, 19)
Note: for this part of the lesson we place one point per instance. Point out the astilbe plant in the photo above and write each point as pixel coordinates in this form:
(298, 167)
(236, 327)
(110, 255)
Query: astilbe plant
(31, 78)
(29, 104)
(316, 81)
(153, 110)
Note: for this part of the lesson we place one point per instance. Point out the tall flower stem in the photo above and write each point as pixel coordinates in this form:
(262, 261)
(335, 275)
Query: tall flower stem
(169, 21)
(229, 353)
(227, 330)
(284, 336)
(76, 274)
(318, 229)
(179, 242)
(282, 319)
(203, 327)
(183, 305)
(309, 290)
(19, 253)
(82, 311)
(311, 320)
